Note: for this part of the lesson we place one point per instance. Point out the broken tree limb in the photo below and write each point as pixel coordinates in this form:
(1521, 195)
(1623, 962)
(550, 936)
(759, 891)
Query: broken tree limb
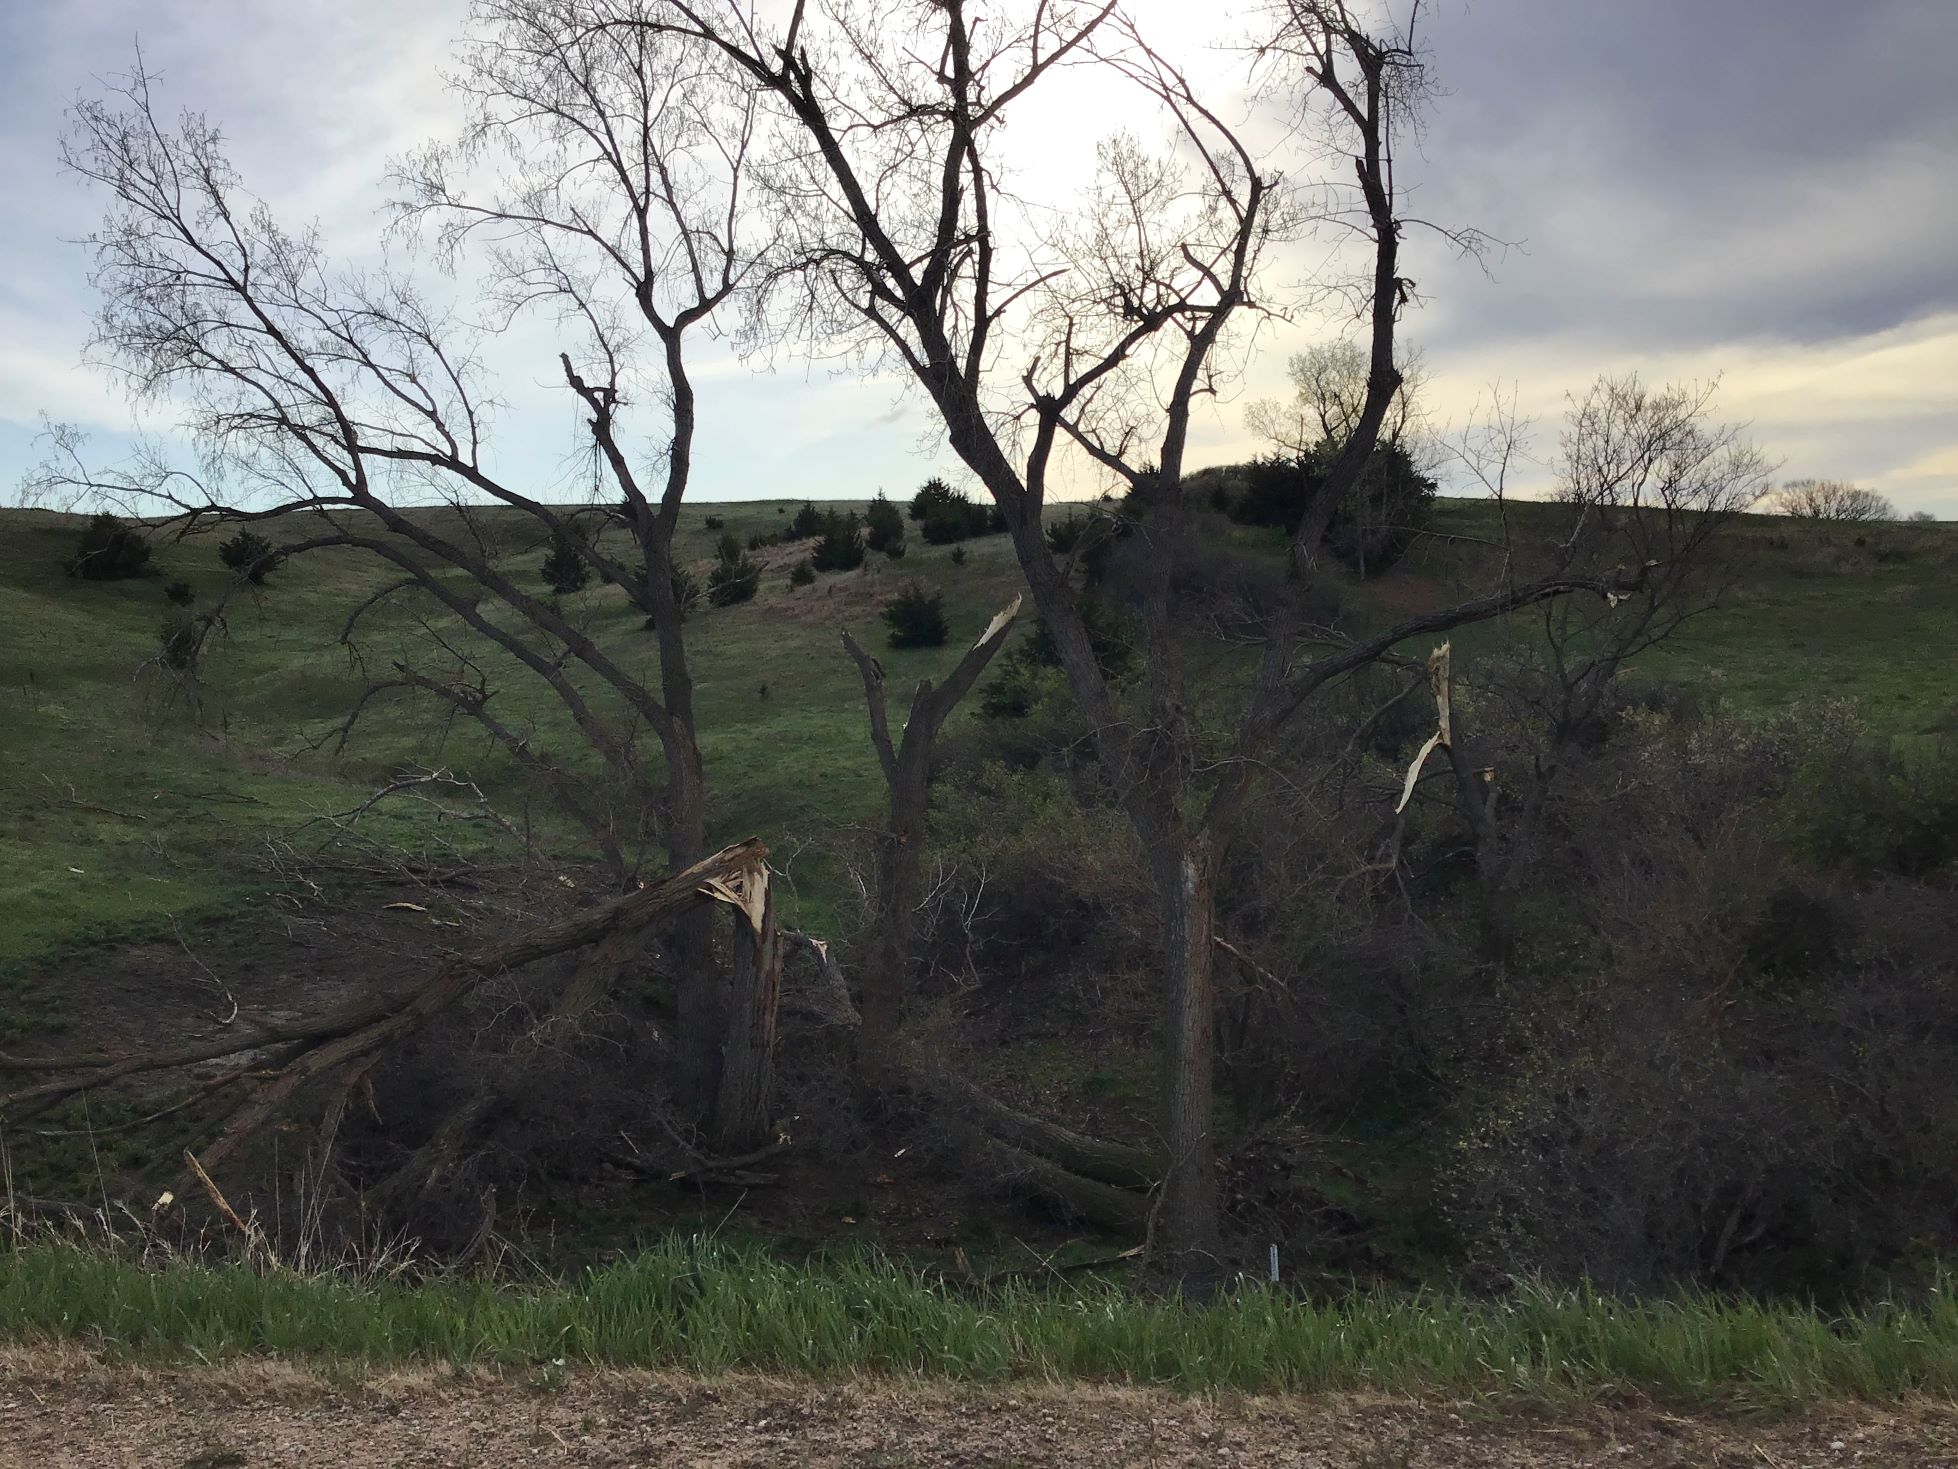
(1439, 686)
(357, 1033)
(443, 1149)
(828, 1001)
(1099, 1203)
(1114, 1164)
(900, 852)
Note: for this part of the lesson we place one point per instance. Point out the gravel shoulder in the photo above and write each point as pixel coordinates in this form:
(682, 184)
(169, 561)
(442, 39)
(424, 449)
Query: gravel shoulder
(62, 1407)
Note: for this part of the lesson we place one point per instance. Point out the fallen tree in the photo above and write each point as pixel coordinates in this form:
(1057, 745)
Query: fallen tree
(339, 1050)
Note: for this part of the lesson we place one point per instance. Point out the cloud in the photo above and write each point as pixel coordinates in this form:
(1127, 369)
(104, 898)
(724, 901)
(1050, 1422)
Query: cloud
(1758, 191)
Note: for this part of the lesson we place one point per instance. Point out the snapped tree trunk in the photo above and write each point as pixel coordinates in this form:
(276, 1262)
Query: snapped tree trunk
(701, 1016)
(901, 853)
(900, 860)
(745, 1101)
(1186, 1229)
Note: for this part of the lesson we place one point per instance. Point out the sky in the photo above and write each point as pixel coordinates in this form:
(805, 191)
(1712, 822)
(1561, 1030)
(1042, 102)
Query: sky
(1685, 188)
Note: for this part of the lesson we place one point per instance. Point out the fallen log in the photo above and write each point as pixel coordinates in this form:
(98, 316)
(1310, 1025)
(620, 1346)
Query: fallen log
(355, 1034)
(1103, 1204)
(1105, 1162)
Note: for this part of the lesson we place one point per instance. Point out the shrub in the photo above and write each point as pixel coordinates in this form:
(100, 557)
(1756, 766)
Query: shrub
(809, 523)
(885, 523)
(759, 540)
(958, 555)
(1369, 529)
(565, 569)
(950, 524)
(686, 590)
(251, 555)
(714, 522)
(179, 594)
(180, 639)
(934, 495)
(947, 516)
(736, 575)
(109, 551)
(1030, 669)
(916, 619)
(1064, 535)
(841, 545)
(801, 574)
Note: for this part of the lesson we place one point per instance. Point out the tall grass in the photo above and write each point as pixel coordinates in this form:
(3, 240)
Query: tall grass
(711, 1307)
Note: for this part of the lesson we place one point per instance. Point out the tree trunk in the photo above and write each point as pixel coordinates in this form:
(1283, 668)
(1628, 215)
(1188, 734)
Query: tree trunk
(1187, 1234)
(747, 1081)
(900, 858)
(700, 1019)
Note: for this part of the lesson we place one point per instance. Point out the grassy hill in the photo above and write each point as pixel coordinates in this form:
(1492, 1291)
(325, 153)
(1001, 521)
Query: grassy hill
(127, 810)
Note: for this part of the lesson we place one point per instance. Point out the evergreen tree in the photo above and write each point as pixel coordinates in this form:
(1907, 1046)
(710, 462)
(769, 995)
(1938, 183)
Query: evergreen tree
(736, 574)
(109, 551)
(565, 569)
(841, 546)
(916, 619)
(886, 526)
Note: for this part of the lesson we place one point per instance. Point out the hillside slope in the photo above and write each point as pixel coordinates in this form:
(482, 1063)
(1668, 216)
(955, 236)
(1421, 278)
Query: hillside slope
(127, 809)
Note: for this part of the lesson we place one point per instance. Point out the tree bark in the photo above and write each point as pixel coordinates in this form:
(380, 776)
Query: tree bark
(900, 854)
(743, 1109)
(900, 859)
(1187, 1233)
(1111, 1163)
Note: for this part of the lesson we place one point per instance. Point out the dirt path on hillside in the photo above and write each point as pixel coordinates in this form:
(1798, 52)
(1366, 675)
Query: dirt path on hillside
(67, 1409)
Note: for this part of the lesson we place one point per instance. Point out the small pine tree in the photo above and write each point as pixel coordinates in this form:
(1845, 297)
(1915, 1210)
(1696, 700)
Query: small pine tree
(109, 550)
(916, 619)
(802, 573)
(180, 639)
(565, 568)
(955, 517)
(841, 546)
(809, 522)
(958, 555)
(179, 594)
(736, 574)
(1064, 535)
(249, 554)
(935, 495)
(885, 523)
(686, 590)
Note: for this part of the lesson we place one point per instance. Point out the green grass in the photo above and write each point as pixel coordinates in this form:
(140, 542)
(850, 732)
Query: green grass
(711, 1307)
(1810, 612)
(113, 828)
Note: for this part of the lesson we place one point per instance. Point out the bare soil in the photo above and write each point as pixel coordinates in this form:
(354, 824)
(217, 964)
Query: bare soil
(67, 1408)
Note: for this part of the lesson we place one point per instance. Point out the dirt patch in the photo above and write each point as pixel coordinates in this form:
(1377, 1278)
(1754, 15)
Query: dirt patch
(60, 1408)
(275, 959)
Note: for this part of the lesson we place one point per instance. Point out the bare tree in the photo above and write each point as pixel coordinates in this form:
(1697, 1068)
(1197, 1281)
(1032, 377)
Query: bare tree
(1097, 337)
(1835, 500)
(1329, 393)
(621, 207)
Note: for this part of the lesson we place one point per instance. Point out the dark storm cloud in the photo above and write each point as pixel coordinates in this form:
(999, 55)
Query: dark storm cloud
(1683, 172)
